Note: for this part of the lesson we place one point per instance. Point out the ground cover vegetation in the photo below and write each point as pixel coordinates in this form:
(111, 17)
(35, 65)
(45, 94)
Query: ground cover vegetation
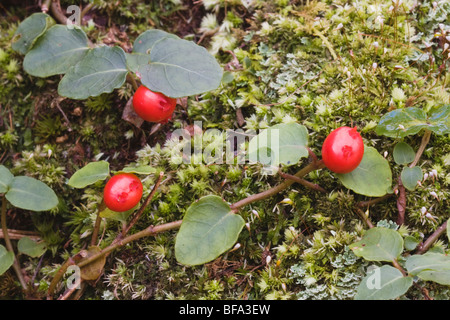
(303, 67)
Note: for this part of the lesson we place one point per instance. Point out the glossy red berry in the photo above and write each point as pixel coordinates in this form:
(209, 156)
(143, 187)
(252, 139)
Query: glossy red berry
(153, 106)
(343, 150)
(122, 192)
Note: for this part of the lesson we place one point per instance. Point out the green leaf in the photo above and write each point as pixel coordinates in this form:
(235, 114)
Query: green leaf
(439, 120)
(411, 243)
(31, 194)
(146, 40)
(6, 178)
(140, 170)
(102, 70)
(280, 144)
(383, 283)
(410, 176)
(58, 49)
(209, 228)
(379, 244)
(403, 153)
(31, 248)
(400, 123)
(180, 68)
(430, 267)
(6, 259)
(89, 174)
(373, 176)
(29, 30)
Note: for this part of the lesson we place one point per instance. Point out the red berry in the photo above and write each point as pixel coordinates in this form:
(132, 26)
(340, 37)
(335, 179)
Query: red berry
(343, 150)
(153, 106)
(122, 192)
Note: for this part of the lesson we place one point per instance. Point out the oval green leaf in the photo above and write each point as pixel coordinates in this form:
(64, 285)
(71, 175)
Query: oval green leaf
(383, 283)
(403, 153)
(31, 194)
(410, 176)
(430, 267)
(30, 247)
(29, 30)
(58, 49)
(379, 244)
(209, 228)
(89, 174)
(284, 143)
(180, 68)
(5, 179)
(140, 169)
(400, 123)
(439, 120)
(6, 259)
(102, 70)
(146, 40)
(373, 176)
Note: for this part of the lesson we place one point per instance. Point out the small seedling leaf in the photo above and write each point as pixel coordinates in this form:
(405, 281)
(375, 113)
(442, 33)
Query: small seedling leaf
(410, 176)
(89, 174)
(379, 244)
(31, 248)
(403, 153)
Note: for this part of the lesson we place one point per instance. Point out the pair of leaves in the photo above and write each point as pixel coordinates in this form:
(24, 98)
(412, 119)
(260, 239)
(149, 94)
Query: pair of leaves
(387, 282)
(165, 63)
(404, 154)
(26, 192)
(403, 122)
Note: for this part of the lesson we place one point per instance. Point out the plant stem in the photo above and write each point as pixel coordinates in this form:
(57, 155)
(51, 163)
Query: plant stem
(9, 246)
(363, 216)
(45, 6)
(149, 231)
(367, 203)
(303, 182)
(138, 214)
(57, 12)
(423, 144)
(272, 191)
(98, 220)
(431, 239)
(399, 267)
